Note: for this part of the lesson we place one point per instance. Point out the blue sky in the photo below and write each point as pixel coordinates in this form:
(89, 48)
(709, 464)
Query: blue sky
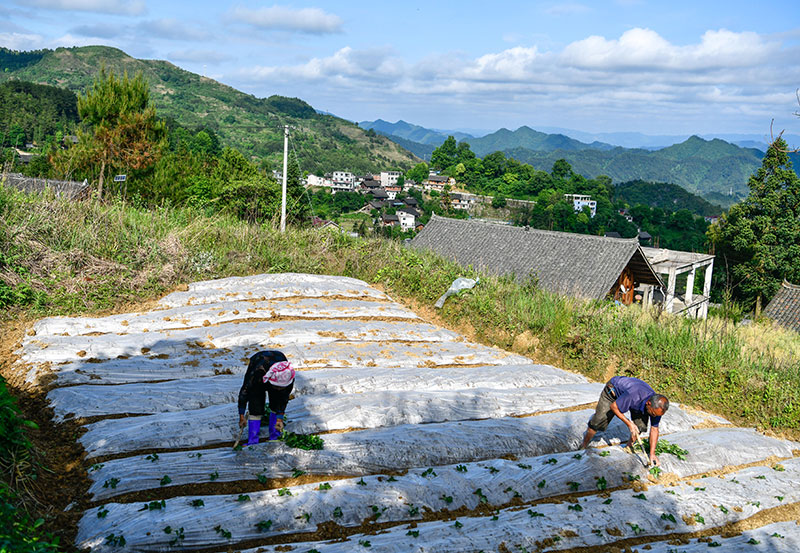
(654, 67)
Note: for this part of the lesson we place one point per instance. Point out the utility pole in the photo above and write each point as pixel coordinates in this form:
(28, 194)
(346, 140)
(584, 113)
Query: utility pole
(285, 170)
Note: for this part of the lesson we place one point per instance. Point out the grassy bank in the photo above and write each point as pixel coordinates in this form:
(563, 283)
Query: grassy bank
(63, 258)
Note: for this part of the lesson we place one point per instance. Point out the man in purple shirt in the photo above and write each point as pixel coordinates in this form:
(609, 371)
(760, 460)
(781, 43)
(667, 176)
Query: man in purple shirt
(623, 394)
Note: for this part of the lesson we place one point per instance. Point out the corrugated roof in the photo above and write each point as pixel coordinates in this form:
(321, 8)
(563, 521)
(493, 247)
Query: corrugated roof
(784, 308)
(566, 263)
(68, 189)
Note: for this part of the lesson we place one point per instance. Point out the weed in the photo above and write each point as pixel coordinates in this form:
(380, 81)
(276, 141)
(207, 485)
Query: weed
(179, 536)
(541, 484)
(635, 527)
(447, 498)
(699, 518)
(413, 511)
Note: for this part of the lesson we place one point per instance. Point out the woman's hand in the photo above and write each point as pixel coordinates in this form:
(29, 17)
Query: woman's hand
(242, 421)
(279, 425)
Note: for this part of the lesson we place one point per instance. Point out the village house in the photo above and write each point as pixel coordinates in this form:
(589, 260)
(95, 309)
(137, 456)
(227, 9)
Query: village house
(388, 220)
(579, 201)
(438, 182)
(784, 308)
(592, 267)
(406, 219)
(389, 178)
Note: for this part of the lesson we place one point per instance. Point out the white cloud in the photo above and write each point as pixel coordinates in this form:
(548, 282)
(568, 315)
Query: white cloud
(117, 7)
(305, 20)
(172, 29)
(199, 56)
(21, 41)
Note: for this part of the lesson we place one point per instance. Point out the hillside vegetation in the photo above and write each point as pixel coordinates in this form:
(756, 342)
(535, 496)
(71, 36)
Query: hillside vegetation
(252, 125)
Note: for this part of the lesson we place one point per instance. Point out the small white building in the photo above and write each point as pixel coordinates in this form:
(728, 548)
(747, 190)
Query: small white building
(579, 201)
(314, 180)
(343, 177)
(406, 220)
(389, 178)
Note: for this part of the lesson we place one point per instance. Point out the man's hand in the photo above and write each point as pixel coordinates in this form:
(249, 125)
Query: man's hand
(242, 421)
(279, 425)
(634, 433)
(654, 461)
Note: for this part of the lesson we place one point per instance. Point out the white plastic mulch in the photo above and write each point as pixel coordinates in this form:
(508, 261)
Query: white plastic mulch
(461, 427)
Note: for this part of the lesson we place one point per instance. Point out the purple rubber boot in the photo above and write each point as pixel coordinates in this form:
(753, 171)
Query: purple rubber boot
(274, 433)
(253, 428)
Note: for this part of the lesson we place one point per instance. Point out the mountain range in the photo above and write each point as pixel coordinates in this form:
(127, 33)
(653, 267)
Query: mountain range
(714, 169)
(252, 125)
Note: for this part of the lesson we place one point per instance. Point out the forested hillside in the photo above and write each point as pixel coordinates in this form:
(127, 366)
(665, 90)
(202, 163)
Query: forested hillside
(252, 125)
(31, 112)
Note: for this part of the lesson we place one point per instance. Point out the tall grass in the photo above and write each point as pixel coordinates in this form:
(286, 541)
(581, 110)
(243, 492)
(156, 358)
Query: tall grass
(86, 257)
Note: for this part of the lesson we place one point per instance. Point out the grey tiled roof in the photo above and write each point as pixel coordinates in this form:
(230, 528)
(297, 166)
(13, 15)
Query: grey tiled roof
(784, 308)
(67, 189)
(566, 263)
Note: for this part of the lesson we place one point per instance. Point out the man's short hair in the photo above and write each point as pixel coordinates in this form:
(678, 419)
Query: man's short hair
(659, 402)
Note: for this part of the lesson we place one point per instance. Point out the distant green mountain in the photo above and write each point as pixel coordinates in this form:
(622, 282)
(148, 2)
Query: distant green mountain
(529, 139)
(412, 132)
(252, 125)
(669, 197)
(713, 169)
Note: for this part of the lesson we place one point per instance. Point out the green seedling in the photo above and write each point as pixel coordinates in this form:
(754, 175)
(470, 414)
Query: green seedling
(699, 518)
(364, 543)
(302, 441)
(304, 515)
(534, 514)
(179, 536)
(735, 481)
(102, 512)
(669, 517)
(481, 498)
(153, 457)
(284, 491)
(297, 473)
(198, 503)
(755, 503)
(111, 483)
(493, 470)
(168, 530)
(633, 477)
(461, 468)
(641, 496)
(195, 455)
(597, 531)
(541, 484)
(494, 516)
(154, 506)
(576, 507)
(670, 492)
(238, 447)
(604, 454)
(447, 498)
(723, 509)
(166, 480)
(699, 489)
(377, 511)
(524, 466)
(779, 497)
(324, 486)
(663, 446)
(635, 528)
(391, 479)
(222, 532)
(413, 533)
(779, 468)
(761, 477)
(577, 456)
(551, 461)
(243, 497)
(655, 471)
(262, 479)
(429, 472)
(115, 541)
(607, 501)
(96, 466)
(337, 512)
(574, 486)
(601, 483)
(458, 524)
(412, 510)
(714, 544)
(753, 541)
(214, 475)
(361, 482)
(776, 535)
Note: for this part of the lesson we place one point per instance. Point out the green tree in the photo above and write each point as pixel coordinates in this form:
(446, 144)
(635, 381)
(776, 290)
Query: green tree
(759, 238)
(445, 155)
(125, 132)
(419, 173)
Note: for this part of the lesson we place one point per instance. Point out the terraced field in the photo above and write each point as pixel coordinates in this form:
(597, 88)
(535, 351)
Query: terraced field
(431, 443)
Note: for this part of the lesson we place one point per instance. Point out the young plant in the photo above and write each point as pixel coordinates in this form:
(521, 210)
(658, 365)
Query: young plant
(337, 512)
(635, 528)
(222, 532)
(601, 483)
(262, 479)
(576, 507)
(377, 511)
(574, 486)
(214, 475)
(297, 473)
(669, 517)
(179, 536)
(284, 491)
(604, 454)
(115, 541)
(197, 503)
(429, 472)
(481, 498)
(541, 484)
(154, 506)
(412, 510)
(96, 466)
(534, 514)
(391, 479)
(243, 497)
(699, 518)
(324, 486)
(458, 524)
(524, 466)
(166, 480)
(364, 543)
(577, 456)
(304, 515)
(447, 498)
(655, 471)
(461, 468)
(361, 482)
(641, 496)
(550, 461)
(153, 457)
(493, 470)
(111, 483)
(102, 512)
(413, 533)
